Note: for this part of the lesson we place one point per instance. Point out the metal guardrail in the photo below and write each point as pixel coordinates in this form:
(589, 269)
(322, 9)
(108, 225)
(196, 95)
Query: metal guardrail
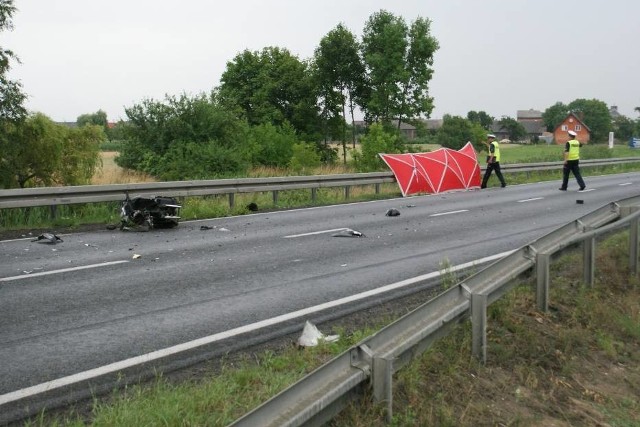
(323, 393)
(53, 196)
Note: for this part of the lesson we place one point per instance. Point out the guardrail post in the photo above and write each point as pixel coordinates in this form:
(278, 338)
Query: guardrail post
(53, 211)
(479, 326)
(633, 246)
(589, 260)
(275, 197)
(314, 194)
(383, 383)
(377, 188)
(347, 191)
(232, 200)
(542, 277)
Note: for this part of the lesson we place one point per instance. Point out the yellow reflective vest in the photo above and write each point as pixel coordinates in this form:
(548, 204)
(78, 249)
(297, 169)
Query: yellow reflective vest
(496, 151)
(574, 149)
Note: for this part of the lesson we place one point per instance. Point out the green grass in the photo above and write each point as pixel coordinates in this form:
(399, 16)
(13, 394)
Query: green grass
(218, 206)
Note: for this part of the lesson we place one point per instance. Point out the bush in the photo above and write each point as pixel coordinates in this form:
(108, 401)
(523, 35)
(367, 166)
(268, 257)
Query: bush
(376, 141)
(305, 158)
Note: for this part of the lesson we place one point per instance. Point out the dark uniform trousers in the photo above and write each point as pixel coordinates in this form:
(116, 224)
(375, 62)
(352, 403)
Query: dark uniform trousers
(495, 166)
(573, 167)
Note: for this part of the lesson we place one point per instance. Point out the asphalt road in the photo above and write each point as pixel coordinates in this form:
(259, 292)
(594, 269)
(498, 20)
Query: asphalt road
(90, 301)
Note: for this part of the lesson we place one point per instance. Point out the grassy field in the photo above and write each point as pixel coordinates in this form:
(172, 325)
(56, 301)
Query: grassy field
(110, 173)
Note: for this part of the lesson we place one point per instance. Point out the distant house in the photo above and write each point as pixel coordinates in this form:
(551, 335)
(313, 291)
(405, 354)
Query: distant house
(408, 131)
(529, 115)
(534, 128)
(574, 123)
(614, 113)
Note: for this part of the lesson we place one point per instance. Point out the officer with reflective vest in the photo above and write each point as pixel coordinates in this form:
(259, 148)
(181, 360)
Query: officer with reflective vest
(572, 162)
(493, 162)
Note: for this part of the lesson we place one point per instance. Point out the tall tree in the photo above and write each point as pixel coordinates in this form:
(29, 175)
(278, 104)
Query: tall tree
(398, 62)
(11, 96)
(339, 74)
(418, 72)
(384, 46)
(271, 86)
(480, 117)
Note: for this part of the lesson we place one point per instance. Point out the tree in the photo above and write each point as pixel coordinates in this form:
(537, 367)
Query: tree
(398, 63)
(481, 118)
(339, 74)
(554, 115)
(456, 131)
(271, 86)
(623, 127)
(43, 153)
(419, 61)
(184, 138)
(595, 114)
(99, 118)
(11, 96)
(516, 130)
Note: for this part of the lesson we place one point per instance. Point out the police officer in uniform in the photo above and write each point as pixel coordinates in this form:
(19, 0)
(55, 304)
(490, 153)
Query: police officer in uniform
(493, 162)
(572, 162)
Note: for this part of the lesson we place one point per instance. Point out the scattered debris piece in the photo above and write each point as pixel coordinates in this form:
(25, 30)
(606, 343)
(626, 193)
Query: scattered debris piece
(252, 207)
(580, 202)
(111, 226)
(48, 238)
(136, 256)
(411, 206)
(311, 336)
(206, 227)
(349, 233)
(223, 229)
(393, 212)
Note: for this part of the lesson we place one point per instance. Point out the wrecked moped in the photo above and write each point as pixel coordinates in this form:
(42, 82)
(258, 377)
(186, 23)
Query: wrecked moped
(143, 214)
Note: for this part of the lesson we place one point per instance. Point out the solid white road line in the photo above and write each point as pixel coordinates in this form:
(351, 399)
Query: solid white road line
(450, 213)
(63, 270)
(123, 364)
(530, 200)
(625, 183)
(315, 232)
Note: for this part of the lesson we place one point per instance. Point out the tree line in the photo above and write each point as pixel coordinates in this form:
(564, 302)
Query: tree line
(270, 108)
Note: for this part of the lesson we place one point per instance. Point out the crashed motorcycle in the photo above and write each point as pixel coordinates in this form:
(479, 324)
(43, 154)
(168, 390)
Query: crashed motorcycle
(143, 214)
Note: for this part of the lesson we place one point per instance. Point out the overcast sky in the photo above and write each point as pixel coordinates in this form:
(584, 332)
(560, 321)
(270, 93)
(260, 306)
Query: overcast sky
(499, 56)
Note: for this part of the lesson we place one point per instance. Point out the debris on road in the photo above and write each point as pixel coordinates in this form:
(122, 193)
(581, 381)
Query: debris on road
(311, 336)
(349, 233)
(393, 212)
(49, 238)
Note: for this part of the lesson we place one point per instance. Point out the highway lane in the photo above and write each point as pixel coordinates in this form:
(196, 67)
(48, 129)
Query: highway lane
(188, 283)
